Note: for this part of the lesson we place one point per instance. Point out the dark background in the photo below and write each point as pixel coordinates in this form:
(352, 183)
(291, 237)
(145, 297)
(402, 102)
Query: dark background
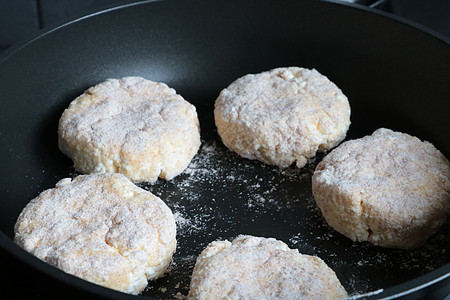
(20, 20)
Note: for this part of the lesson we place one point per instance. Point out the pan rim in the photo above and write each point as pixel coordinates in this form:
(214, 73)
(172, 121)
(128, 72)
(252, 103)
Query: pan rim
(48, 30)
(404, 21)
(438, 275)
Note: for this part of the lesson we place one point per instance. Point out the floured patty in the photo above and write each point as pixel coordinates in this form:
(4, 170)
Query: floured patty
(261, 268)
(389, 188)
(132, 126)
(101, 228)
(283, 116)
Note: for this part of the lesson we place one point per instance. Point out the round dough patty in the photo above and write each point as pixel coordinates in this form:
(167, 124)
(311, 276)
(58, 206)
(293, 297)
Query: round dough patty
(102, 228)
(132, 126)
(261, 268)
(390, 189)
(282, 116)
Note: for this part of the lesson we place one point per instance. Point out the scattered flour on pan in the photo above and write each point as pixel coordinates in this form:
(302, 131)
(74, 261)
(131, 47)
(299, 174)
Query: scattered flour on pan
(368, 258)
(214, 175)
(219, 191)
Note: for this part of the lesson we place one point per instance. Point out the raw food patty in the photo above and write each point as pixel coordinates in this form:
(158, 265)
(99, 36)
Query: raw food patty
(102, 228)
(389, 188)
(132, 126)
(282, 116)
(261, 268)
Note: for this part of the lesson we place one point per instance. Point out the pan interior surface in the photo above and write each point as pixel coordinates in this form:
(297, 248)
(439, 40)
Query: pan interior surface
(394, 76)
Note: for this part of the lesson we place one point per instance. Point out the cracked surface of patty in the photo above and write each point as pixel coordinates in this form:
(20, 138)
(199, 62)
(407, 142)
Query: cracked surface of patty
(102, 228)
(132, 126)
(282, 116)
(389, 188)
(252, 267)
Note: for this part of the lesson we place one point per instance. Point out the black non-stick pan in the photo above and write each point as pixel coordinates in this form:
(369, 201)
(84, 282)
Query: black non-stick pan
(394, 74)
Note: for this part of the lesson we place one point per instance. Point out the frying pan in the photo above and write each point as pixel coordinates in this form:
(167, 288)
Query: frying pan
(395, 75)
